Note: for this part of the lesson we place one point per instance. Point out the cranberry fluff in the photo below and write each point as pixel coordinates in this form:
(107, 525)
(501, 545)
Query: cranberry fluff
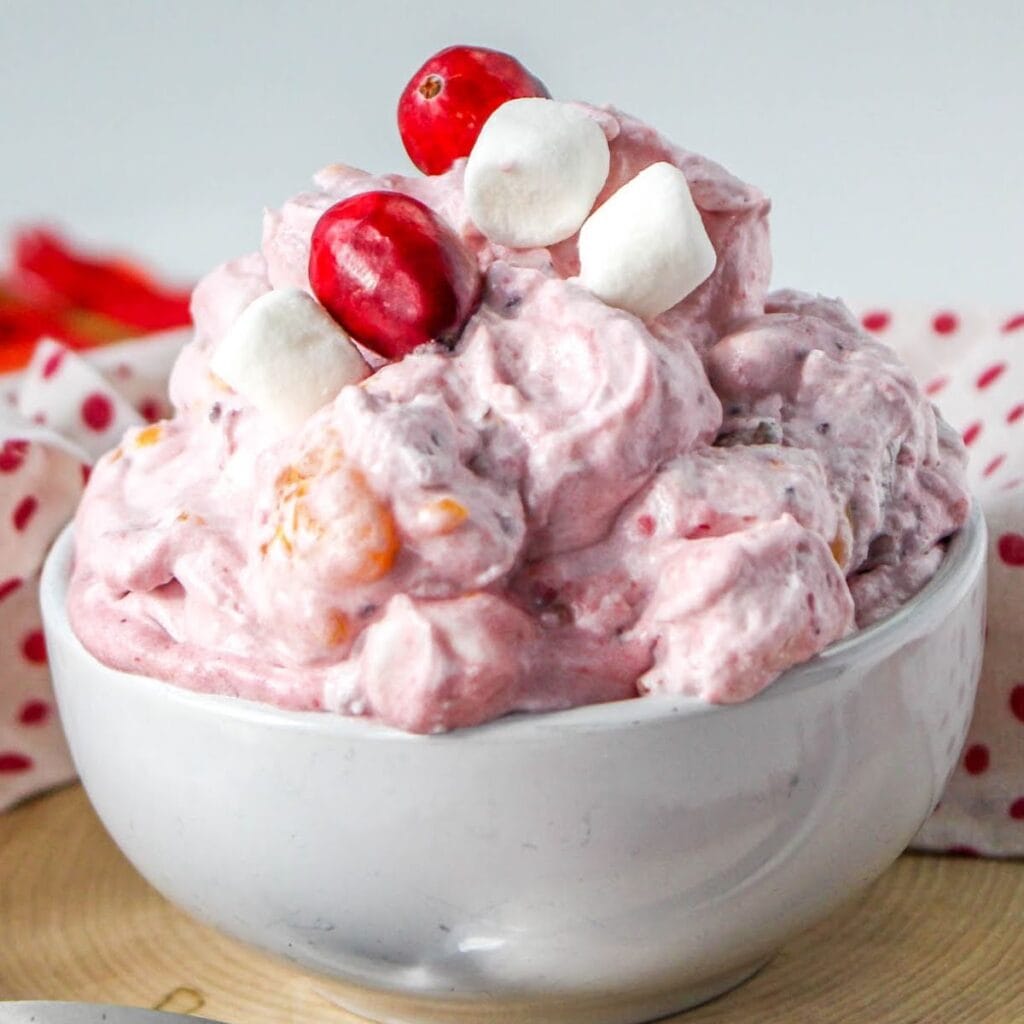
(524, 432)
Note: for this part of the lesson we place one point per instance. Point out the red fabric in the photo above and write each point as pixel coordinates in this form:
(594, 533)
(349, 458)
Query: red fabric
(51, 290)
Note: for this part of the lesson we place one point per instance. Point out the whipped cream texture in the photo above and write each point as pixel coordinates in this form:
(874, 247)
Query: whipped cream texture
(568, 505)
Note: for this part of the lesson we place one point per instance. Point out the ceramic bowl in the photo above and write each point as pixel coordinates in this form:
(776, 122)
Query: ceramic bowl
(607, 864)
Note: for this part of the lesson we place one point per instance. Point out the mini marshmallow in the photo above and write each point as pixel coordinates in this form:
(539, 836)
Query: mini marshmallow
(286, 356)
(645, 248)
(534, 172)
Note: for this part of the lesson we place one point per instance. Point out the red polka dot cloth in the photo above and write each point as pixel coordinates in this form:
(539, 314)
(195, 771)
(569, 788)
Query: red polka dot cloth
(971, 363)
(56, 418)
(66, 409)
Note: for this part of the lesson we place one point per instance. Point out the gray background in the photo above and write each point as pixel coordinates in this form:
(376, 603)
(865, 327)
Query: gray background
(890, 135)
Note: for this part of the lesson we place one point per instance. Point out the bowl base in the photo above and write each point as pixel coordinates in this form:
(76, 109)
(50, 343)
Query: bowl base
(637, 1007)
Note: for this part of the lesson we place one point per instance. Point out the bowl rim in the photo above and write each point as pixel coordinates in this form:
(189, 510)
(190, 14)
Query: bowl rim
(961, 565)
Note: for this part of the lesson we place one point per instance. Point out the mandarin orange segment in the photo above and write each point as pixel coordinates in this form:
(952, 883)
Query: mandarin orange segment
(839, 550)
(149, 436)
(381, 559)
(452, 512)
(441, 517)
(363, 529)
(338, 629)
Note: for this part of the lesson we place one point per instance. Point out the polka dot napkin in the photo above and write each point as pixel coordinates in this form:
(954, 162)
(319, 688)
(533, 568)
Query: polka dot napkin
(971, 363)
(56, 418)
(66, 409)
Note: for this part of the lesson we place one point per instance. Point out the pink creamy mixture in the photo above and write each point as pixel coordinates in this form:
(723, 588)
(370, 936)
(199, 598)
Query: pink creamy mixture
(572, 506)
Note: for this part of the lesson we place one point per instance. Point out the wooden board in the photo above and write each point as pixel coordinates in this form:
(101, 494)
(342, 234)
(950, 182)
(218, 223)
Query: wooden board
(937, 940)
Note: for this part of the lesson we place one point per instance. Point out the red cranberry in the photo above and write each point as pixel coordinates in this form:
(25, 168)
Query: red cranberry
(391, 272)
(445, 104)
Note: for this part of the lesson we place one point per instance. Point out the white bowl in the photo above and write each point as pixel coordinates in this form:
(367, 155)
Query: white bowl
(607, 864)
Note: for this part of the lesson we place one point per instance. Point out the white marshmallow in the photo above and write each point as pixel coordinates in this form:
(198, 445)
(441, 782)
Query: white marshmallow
(286, 356)
(534, 172)
(645, 248)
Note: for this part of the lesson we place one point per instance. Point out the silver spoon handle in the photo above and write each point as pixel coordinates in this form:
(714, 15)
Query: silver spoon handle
(88, 1013)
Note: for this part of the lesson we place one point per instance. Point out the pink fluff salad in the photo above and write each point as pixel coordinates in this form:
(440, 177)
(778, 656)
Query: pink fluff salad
(570, 506)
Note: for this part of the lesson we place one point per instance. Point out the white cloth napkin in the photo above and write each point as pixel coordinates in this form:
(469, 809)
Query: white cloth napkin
(56, 418)
(66, 409)
(972, 363)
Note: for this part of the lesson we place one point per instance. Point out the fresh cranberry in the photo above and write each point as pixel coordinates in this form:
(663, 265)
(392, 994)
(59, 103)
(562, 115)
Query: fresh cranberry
(445, 104)
(391, 272)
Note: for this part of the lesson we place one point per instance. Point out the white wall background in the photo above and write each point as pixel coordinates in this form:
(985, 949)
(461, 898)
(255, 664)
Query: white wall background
(890, 134)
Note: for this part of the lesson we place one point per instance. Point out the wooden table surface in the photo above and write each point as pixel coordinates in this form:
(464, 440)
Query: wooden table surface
(937, 940)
